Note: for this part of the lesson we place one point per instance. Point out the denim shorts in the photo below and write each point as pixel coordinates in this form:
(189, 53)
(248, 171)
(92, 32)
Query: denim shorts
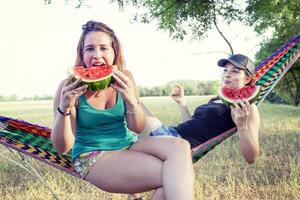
(165, 131)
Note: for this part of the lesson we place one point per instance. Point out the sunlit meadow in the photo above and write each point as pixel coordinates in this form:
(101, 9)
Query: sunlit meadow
(221, 174)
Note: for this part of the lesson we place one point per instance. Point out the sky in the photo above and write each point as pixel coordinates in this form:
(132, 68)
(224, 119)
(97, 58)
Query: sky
(38, 45)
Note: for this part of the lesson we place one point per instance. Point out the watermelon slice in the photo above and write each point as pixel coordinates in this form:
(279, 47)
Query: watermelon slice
(97, 78)
(229, 95)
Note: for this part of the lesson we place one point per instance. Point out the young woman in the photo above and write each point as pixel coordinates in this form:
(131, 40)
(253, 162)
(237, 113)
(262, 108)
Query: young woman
(98, 127)
(213, 118)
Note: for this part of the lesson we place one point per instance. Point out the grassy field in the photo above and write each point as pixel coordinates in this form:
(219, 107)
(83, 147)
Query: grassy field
(221, 174)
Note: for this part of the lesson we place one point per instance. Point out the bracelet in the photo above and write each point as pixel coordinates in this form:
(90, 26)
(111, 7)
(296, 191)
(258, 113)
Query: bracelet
(131, 112)
(62, 113)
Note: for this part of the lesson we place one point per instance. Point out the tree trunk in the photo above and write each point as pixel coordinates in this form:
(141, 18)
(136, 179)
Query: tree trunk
(297, 96)
(297, 88)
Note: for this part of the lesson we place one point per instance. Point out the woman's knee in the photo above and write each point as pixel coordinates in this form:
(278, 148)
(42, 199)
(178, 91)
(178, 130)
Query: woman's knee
(162, 147)
(181, 146)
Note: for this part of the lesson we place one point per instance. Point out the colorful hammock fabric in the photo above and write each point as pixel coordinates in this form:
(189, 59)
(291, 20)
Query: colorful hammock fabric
(34, 140)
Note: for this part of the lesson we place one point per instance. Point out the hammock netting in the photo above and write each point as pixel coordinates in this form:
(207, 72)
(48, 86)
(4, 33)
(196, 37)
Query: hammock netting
(34, 140)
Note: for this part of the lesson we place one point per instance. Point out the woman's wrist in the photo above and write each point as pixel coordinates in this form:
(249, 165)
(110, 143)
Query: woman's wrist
(243, 128)
(63, 111)
(64, 108)
(131, 108)
(182, 103)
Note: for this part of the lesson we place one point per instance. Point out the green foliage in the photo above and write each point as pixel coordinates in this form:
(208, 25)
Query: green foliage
(12, 97)
(37, 97)
(275, 98)
(195, 17)
(181, 18)
(283, 17)
(79, 4)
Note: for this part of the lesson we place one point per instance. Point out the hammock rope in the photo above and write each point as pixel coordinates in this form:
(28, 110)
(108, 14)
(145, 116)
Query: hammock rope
(34, 140)
(27, 167)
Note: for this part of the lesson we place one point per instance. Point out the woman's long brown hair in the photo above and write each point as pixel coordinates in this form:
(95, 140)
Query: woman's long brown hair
(99, 26)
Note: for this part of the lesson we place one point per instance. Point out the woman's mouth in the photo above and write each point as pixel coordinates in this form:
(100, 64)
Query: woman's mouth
(98, 64)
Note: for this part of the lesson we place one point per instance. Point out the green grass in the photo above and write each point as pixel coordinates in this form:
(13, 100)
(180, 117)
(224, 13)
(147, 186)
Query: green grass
(221, 174)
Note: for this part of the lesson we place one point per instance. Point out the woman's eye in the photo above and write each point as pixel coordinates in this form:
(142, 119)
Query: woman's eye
(104, 49)
(89, 49)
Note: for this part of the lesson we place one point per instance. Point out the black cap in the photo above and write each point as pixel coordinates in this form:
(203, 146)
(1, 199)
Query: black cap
(240, 61)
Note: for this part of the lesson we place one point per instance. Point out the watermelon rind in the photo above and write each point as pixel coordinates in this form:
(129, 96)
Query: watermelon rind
(251, 99)
(97, 85)
(93, 85)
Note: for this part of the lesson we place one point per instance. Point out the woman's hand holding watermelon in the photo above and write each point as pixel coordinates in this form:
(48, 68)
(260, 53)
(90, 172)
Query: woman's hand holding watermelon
(125, 86)
(69, 93)
(241, 112)
(246, 118)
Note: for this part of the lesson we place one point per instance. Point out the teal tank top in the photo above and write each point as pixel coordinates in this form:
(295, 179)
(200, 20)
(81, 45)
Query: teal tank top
(101, 129)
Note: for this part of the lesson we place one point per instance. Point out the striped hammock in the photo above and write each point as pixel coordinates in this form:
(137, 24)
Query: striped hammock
(34, 140)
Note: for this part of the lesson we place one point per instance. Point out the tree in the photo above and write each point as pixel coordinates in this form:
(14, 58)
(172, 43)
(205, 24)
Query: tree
(181, 18)
(195, 17)
(191, 87)
(284, 18)
(79, 4)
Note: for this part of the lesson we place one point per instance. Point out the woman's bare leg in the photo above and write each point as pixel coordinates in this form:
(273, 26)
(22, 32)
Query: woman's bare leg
(178, 171)
(126, 172)
(148, 165)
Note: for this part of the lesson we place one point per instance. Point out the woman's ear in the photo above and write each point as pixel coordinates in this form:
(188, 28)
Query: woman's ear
(248, 80)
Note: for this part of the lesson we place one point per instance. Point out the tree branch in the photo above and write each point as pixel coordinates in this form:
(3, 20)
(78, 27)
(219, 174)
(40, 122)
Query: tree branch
(228, 43)
(220, 32)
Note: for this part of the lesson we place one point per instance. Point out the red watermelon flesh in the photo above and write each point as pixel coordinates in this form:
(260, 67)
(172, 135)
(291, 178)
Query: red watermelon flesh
(229, 95)
(97, 78)
(92, 73)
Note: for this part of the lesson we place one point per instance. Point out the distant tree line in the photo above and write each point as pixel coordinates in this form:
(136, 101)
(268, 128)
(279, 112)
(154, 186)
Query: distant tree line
(15, 97)
(191, 87)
